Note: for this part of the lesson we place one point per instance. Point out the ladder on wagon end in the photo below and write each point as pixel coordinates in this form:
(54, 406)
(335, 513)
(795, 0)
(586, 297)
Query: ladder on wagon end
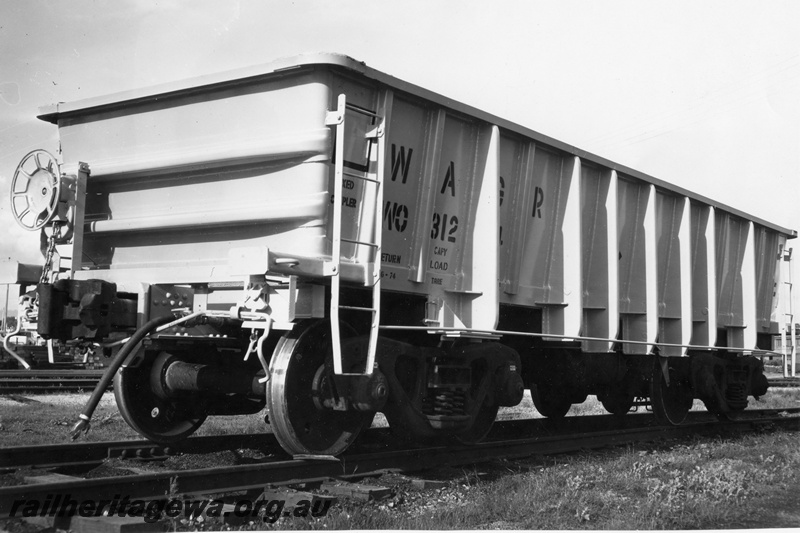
(789, 348)
(372, 178)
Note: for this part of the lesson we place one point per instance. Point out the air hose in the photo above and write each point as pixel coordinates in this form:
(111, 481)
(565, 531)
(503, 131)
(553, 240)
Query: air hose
(10, 350)
(85, 417)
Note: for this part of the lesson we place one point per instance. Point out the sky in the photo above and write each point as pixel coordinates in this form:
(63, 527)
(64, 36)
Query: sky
(702, 94)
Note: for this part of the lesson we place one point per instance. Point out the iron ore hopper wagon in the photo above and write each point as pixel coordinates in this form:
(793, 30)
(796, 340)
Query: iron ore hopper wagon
(330, 242)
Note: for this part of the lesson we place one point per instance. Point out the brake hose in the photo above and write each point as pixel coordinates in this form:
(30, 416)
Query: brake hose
(85, 417)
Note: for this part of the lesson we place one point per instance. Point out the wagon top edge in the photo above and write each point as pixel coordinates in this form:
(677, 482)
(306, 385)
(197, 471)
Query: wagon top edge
(53, 112)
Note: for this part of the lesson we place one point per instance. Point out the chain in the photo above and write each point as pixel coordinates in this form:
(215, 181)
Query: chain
(50, 253)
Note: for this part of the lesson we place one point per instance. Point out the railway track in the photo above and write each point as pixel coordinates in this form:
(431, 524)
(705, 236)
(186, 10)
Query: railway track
(48, 381)
(85, 455)
(784, 382)
(375, 456)
(77, 455)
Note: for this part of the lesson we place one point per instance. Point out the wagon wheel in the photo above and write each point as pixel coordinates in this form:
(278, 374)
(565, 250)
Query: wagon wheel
(550, 401)
(671, 403)
(715, 407)
(296, 369)
(155, 416)
(35, 190)
(616, 402)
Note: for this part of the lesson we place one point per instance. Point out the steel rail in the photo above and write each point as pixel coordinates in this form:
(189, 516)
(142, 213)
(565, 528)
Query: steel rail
(76, 454)
(53, 387)
(48, 456)
(257, 476)
(61, 380)
(784, 382)
(86, 454)
(51, 373)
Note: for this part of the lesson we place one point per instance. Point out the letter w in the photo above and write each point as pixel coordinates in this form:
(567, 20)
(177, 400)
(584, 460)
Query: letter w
(402, 163)
(194, 508)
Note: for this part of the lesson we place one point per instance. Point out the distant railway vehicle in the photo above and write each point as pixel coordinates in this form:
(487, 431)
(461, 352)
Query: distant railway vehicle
(328, 241)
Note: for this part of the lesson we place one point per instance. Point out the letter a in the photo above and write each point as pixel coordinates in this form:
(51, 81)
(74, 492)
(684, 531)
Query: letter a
(450, 180)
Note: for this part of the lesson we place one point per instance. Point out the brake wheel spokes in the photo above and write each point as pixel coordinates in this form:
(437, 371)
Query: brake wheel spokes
(35, 190)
